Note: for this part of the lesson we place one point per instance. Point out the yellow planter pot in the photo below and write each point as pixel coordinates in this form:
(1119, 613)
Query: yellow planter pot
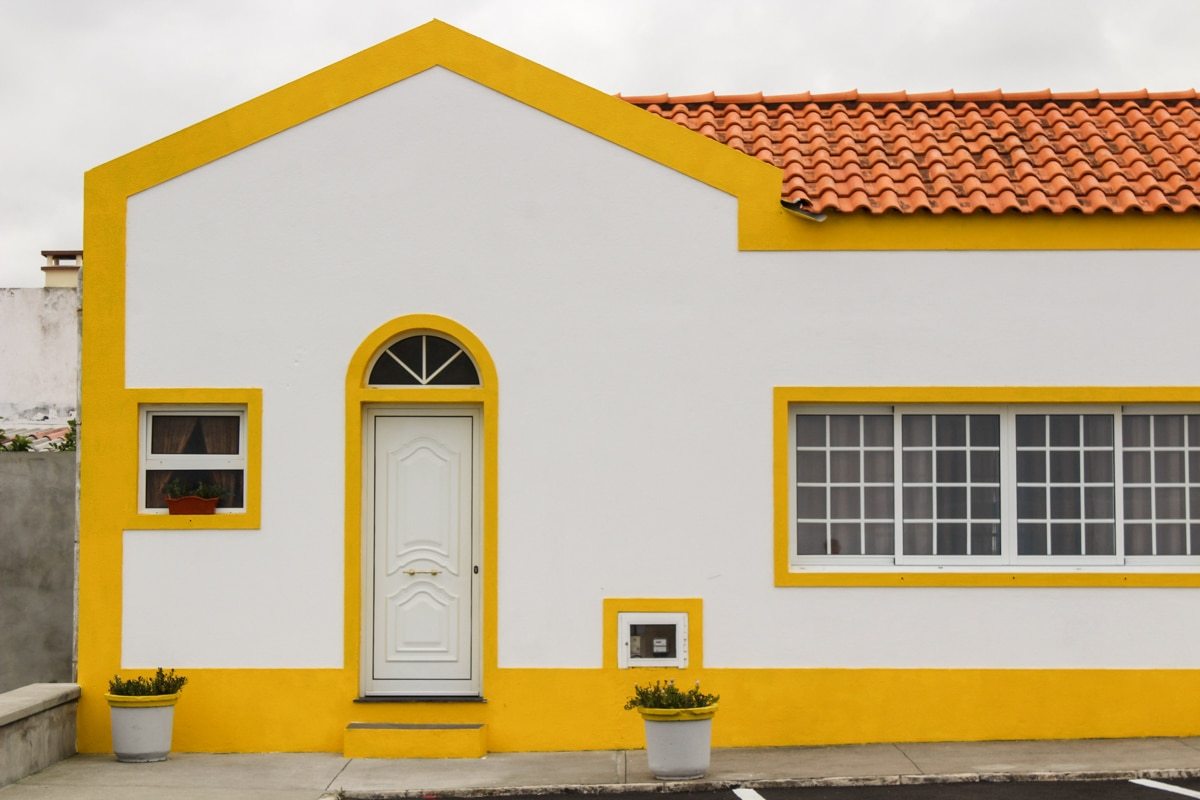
(677, 714)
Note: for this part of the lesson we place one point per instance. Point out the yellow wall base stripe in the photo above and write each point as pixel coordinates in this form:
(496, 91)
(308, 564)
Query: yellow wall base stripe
(542, 709)
(435, 741)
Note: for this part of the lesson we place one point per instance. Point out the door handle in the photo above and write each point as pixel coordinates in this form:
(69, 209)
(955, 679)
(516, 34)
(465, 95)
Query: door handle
(422, 572)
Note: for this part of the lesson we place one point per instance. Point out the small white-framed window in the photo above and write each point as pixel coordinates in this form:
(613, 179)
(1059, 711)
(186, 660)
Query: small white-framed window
(984, 487)
(652, 639)
(184, 448)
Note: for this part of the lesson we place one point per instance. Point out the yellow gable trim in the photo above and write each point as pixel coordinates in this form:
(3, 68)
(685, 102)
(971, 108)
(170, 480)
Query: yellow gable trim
(762, 223)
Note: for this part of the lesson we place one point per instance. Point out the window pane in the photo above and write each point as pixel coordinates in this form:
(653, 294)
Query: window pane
(1136, 467)
(985, 539)
(1031, 502)
(951, 466)
(1193, 426)
(1171, 540)
(1064, 466)
(1169, 503)
(952, 538)
(191, 434)
(1065, 539)
(1064, 430)
(1135, 430)
(952, 503)
(810, 502)
(843, 467)
(1138, 540)
(985, 466)
(229, 481)
(1099, 503)
(843, 430)
(1031, 466)
(810, 539)
(951, 430)
(1099, 539)
(878, 466)
(1168, 467)
(918, 502)
(985, 502)
(1031, 539)
(845, 502)
(1194, 533)
(918, 538)
(810, 466)
(985, 430)
(1168, 430)
(1098, 430)
(845, 539)
(1137, 504)
(1098, 467)
(810, 430)
(881, 539)
(916, 430)
(1031, 430)
(1064, 503)
(877, 430)
(878, 502)
(918, 466)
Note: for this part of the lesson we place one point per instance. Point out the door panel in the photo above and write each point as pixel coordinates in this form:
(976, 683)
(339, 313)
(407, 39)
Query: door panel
(423, 633)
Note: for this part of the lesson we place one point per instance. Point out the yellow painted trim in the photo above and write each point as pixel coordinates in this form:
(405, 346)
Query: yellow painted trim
(297, 710)
(787, 396)
(677, 714)
(141, 701)
(358, 396)
(415, 743)
(251, 517)
(692, 606)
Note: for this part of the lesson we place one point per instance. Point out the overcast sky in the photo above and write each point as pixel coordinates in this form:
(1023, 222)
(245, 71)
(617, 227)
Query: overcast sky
(84, 81)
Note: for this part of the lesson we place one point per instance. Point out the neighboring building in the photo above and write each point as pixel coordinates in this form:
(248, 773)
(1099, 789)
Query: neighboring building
(485, 360)
(39, 348)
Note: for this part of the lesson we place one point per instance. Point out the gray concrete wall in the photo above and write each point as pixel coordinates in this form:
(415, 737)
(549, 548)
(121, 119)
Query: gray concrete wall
(37, 568)
(39, 355)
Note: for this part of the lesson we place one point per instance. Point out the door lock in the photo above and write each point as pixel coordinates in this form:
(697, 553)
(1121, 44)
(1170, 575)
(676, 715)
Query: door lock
(422, 572)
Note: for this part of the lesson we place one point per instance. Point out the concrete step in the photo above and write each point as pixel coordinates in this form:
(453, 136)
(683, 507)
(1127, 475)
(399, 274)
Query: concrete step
(415, 740)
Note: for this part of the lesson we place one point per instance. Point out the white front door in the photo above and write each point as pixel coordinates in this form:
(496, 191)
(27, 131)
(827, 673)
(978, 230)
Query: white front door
(422, 552)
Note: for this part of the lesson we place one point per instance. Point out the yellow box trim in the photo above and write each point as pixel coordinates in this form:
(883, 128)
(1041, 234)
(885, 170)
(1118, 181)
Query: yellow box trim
(461, 742)
(251, 517)
(692, 606)
(786, 396)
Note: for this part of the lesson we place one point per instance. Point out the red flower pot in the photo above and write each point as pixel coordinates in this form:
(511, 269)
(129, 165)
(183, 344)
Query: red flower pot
(192, 505)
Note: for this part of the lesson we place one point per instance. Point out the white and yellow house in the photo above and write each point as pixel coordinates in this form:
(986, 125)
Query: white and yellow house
(518, 394)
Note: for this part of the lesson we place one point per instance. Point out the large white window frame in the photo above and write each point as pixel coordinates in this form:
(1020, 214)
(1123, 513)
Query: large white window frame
(1009, 557)
(148, 461)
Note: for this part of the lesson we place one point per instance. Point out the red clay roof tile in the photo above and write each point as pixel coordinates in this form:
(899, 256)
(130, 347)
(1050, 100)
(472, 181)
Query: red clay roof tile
(990, 151)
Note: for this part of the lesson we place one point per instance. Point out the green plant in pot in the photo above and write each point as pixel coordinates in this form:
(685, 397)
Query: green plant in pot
(198, 497)
(142, 710)
(678, 728)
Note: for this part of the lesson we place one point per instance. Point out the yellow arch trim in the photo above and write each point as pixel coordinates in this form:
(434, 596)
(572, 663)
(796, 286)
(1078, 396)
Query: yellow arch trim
(785, 396)
(358, 395)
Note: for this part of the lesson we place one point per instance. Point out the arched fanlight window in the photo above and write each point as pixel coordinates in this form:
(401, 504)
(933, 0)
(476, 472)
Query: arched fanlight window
(424, 360)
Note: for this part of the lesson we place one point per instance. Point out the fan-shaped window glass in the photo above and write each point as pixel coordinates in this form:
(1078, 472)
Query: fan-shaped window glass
(424, 360)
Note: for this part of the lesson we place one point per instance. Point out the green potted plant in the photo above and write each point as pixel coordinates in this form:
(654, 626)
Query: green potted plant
(142, 710)
(678, 728)
(192, 498)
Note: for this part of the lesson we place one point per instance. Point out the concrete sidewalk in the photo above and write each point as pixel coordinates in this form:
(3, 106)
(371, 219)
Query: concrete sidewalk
(309, 776)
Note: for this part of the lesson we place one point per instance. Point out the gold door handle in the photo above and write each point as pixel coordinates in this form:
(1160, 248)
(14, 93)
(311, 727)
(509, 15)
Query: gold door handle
(422, 572)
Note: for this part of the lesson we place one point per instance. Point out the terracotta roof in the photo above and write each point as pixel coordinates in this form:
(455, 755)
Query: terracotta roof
(42, 437)
(963, 151)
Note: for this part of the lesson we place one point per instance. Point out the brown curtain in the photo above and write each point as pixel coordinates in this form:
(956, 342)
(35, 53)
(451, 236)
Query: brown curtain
(221, 436)
(168, 435)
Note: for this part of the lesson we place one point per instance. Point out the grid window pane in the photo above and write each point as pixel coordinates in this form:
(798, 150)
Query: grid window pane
(1161, 476)
(844, 465)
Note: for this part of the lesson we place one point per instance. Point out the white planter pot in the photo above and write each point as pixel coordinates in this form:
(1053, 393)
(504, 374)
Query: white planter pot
(678, 741)
(142, 726)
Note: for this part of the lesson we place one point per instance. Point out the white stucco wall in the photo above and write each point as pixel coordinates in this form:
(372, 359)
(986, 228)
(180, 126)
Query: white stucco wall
(636, 349)
(39, 355)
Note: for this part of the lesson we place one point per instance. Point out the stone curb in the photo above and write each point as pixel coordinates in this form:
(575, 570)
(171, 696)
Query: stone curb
(673, 787)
